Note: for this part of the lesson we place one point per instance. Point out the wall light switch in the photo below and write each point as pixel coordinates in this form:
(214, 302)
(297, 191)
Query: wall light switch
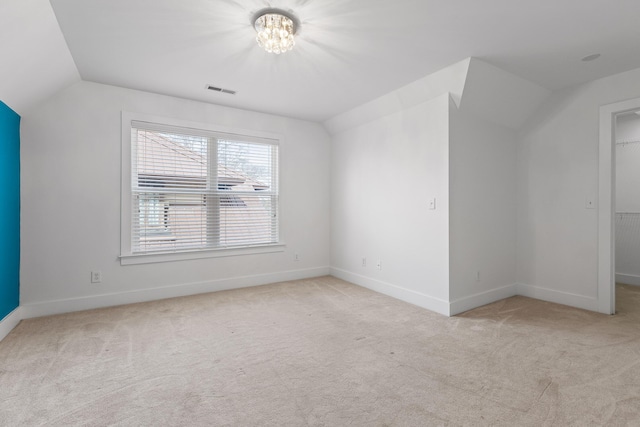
(432, 204)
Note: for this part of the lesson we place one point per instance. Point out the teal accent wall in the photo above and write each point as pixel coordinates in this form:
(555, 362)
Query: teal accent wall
(9, 210)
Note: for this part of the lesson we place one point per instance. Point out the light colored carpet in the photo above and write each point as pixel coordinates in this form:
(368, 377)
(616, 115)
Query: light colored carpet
(323, 352)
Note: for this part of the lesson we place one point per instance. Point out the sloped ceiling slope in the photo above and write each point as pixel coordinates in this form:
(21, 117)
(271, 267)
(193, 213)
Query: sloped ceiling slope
(449, 80)
(35, 59)
(474, 85)
(500, 97)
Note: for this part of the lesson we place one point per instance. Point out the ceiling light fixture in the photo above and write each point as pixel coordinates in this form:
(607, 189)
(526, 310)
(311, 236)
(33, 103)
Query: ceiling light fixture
(275, 30)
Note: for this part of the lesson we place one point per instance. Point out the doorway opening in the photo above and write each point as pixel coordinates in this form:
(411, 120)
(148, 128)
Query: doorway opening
(606, 201)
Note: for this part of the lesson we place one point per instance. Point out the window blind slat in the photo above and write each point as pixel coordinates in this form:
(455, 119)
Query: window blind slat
(201, 190)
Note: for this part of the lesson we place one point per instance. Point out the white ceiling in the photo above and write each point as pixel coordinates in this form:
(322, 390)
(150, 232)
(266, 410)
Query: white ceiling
(348, 52)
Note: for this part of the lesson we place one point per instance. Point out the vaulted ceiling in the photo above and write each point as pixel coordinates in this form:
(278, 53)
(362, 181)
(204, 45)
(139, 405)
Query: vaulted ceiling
(348, 52)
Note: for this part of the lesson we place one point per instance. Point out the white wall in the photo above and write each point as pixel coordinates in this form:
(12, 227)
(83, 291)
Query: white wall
(628, 164)
(383, 174)
(628, 127)
(627, 220)
(71, 153)
(557, 248)
(482, 211)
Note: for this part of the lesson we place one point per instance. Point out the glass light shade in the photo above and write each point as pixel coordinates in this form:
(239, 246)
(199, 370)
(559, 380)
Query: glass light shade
(275, 32)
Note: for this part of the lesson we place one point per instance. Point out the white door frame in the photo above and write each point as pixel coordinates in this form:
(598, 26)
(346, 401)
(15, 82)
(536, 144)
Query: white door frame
(606, 203)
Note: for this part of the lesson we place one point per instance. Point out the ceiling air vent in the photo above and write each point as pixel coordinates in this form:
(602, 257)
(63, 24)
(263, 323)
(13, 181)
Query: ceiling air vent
(219, 89)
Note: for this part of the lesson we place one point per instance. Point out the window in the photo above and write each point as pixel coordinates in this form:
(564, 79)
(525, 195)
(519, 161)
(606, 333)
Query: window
(188, 189)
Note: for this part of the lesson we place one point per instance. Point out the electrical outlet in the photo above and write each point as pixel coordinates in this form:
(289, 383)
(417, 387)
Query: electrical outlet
(96, 276)
(296, 257)
(379, 265)
(364, 262)
(590, 202)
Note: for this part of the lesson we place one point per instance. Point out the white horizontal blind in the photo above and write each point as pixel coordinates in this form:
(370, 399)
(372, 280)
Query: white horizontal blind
(198, 190)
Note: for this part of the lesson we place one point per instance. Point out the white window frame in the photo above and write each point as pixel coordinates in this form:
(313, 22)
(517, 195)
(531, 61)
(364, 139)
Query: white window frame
(127, 257)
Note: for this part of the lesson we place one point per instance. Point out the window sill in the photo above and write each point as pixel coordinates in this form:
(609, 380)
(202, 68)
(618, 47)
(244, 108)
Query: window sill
(132, 259)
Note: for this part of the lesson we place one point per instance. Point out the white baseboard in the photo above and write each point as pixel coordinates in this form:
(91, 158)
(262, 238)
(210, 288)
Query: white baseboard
(474, 301)
(628, 279)
(46, 308)
(10, 321)
(558, 297)
(403, 294)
